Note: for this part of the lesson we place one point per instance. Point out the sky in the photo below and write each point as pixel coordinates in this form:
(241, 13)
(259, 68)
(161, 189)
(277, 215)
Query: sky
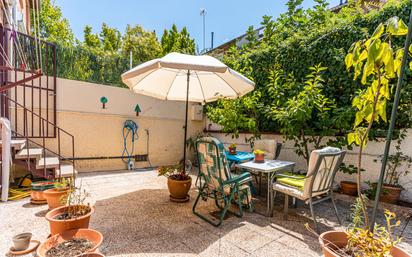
(226, 18)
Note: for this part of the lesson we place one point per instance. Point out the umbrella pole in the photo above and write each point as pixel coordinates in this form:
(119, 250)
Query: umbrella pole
(392, 123)
(187, 107)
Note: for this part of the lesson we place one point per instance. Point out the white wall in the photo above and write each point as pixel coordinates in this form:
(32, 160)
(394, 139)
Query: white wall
(372, 151)
(98, 131)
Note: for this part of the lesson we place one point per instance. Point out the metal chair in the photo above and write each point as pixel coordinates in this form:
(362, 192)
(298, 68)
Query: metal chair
(269, 146)
(216, 181)
(316, 185)
(272, 151)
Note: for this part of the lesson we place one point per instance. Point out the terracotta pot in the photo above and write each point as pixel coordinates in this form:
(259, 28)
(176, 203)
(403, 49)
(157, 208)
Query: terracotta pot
(42, 185)
(38, 188)
(339, 239)
(58, 226)
(390, 194)
(179, 188)
(260, 157)
(232, 150)
(92, 235)
(54, 197)
(37, 195)
(349, 188)
(91, 255)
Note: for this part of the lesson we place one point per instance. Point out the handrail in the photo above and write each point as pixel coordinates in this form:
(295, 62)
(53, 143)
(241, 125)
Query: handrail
(35, 114)
(43, 146)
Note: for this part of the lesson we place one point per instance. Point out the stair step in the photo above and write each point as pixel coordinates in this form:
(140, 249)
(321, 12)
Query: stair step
(17, 144)
(49, 162)
(32, 153)
(66, 171)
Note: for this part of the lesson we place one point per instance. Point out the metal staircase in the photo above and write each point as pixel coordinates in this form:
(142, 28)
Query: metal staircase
(28, 100)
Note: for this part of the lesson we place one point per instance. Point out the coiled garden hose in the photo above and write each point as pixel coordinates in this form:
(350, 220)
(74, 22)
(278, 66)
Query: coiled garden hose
(129, 129)
(19, 193)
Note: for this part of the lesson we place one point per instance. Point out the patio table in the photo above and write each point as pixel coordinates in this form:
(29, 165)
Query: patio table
(269, 167)
(239, 157)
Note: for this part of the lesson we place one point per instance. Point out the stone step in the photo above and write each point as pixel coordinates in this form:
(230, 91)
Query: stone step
(66, 171)
(17, 144)
(32, 153)
(49, 162)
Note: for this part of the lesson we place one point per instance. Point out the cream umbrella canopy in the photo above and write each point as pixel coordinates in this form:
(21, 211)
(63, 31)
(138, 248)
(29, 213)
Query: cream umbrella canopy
(189, 78)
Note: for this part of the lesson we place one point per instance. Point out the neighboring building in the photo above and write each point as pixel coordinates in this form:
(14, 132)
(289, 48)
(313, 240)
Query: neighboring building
(367, 5)
(220, 50)
(18, 14)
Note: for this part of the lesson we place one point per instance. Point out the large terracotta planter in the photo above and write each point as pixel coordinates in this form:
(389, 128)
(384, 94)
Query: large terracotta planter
(339, 239)
(38, 188)
(178, 189)
(37, 195)
(58, 226)
(349, 188)
(54, 197)
(92, 235)
(390, 194)
(91, 255)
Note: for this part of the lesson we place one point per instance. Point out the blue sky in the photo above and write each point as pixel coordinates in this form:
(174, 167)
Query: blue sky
(226, 18)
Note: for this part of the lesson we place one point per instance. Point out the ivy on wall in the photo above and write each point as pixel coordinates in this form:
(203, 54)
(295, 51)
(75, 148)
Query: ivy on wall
(316, 36)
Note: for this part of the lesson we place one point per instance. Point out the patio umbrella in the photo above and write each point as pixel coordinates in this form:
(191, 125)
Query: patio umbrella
(189, 78)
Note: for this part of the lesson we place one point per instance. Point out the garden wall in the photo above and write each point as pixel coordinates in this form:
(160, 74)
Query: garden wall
(98, 131)
(372, 151)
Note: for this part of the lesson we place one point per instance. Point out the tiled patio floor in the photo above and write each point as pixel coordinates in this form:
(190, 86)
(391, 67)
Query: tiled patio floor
(137, 219)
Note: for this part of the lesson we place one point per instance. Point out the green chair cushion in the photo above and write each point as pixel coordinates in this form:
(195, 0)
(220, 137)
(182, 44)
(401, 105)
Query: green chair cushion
(297, 180)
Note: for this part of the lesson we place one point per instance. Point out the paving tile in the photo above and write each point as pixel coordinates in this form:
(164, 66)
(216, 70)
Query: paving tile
(134, 214)
(223, 248)
(276, 249)
(247, 239)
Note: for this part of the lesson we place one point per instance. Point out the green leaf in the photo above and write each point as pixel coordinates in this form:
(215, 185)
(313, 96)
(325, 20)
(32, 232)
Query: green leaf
(358, 118)
(402, 28)
(348, 60)
(374, 50)
(387, 59)
(397, 27)
(382, 110)
(363, 55)
(392, 26)
(378, 31)
(351, 138)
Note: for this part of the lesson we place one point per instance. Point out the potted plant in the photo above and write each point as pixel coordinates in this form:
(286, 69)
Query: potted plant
(76, 213)
(178, 182)
(57, 196)
(373, 59)
(398, 165)
(232, 149)
(360, 241)
(259, 156)
(348, 187)
(191, 145)
(37, 191)
(74, 242)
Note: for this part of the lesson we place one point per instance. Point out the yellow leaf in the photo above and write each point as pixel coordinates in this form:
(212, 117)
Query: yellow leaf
(402, 28)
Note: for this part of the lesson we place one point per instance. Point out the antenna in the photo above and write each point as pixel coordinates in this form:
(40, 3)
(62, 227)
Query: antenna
(203, 13)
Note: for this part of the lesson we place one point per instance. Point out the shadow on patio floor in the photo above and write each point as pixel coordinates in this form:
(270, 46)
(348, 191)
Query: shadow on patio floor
(146, 222)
